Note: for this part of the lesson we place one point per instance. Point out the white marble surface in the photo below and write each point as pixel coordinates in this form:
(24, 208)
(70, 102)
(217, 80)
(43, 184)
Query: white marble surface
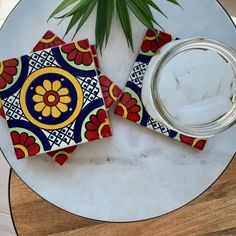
(136, 174)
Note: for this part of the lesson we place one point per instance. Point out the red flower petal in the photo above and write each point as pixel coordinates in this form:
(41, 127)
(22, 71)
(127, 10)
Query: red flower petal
(51, 45)
(92, 135)
(125, 98)
(10, 63)
(94, 120)
(91, 126)
(58, 41)
(38, 47)
(165, 37)
(119, 111)
(104, 89)
(19, 153)
(70, 149)
(23, 138)
(200, 144)
(61, 159)
(186, 139)
(102, 116)
(106, 94)
(135, 109)
(33, 149)
(30, 140)
(109, 102)
(146, 46)
(8, 78)
(154, 46)
(131, 103)
(84, 44)
(106, 131)
(49, 34)
(94, 49)
(104, 81)
(11, 70)
(79, 58)
(87, 58)
(2, 113)
(68, 48)
(117, 91)
(150, 33)
(72, 55)
(3, 83)
(15, 136)
(133, 117)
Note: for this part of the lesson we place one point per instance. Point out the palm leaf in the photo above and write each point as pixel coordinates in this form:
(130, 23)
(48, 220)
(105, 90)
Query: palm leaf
(110, 5)
(61, 7)
(140, 15)
(82, 9)
(174, 2)
(123, 13)
(153, 5)
(100, 29)
(86, 15)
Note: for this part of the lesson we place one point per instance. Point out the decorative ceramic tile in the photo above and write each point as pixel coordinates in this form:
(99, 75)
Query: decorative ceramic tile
(130, 105)
(52, 99)
(111, 92)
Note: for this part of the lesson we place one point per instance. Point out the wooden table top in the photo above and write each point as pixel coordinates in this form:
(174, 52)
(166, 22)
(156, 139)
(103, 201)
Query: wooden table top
(212, 214)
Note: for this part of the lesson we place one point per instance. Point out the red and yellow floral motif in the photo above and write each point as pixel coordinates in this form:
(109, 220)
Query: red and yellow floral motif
(79, 52)
(2, 113)
(194, 142)
(95, 57)
(61, 156)
(128, 108)
(24, 145)
(8, 69)
(98, 126)
(111, 92)
(51, 99)
(49, 40)
(152, 43)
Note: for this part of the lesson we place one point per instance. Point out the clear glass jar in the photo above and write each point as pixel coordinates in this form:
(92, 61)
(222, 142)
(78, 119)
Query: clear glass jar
(190, 86)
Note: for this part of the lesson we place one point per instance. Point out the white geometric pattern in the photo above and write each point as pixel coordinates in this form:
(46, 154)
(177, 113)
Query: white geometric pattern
(137, 73)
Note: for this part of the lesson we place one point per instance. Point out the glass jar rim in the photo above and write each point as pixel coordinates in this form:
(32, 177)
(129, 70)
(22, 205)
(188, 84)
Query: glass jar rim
(168, 53)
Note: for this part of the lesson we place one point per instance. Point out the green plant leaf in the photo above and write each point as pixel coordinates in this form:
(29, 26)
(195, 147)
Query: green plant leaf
(140, 15)
(174, 2)
(61, 7)
(86, 15)
(144, 7)
(100, 29)
(76, 17)
(82, 9)
(153, 5)
(123, 13)
(110, 5)
(81, 6)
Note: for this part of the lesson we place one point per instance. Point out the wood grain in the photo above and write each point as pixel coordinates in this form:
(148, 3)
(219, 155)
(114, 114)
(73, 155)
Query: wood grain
(212, 214)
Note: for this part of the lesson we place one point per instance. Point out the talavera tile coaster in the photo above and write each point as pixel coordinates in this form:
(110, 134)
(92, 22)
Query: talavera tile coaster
(52, 99)
(130, 105)
(111, 91)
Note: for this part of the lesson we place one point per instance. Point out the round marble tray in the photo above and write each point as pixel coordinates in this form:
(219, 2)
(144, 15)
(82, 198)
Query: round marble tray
(137, 174)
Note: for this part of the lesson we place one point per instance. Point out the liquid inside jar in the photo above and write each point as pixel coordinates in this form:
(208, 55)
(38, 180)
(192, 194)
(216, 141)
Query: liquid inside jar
(197, 86)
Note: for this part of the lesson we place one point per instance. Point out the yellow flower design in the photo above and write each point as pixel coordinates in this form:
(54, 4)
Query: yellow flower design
(51, 99)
